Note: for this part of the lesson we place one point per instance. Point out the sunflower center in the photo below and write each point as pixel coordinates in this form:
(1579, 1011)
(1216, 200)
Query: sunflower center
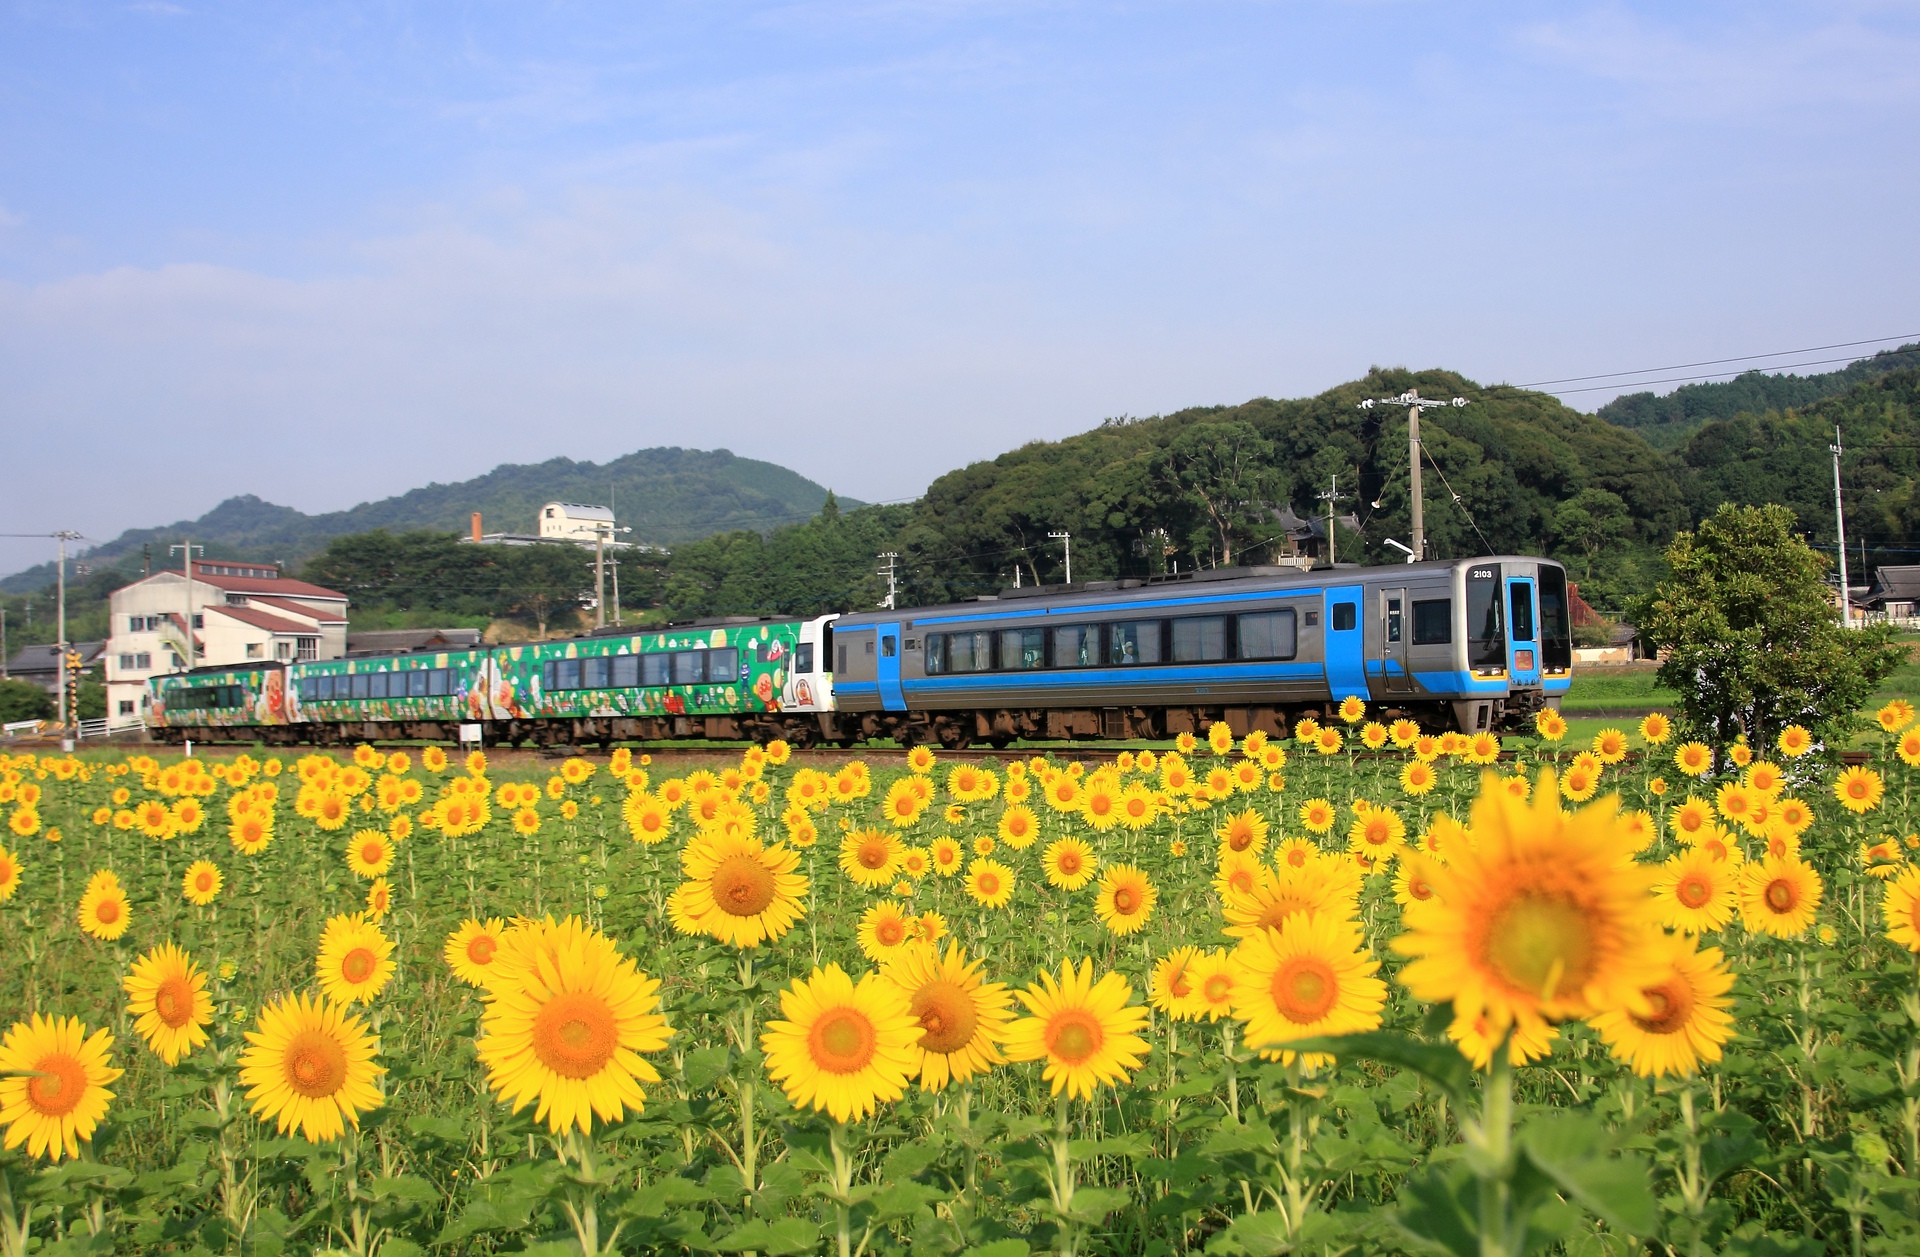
(1240, 838)
(203, 883)
(1074, 1036)
(61, 1085)
(1669, 1006)
(1218, 986)
(358, 965)
(873, 855)
(1377, 832)
(574, 1034)
(1418, 888)
(1303, 989)
(316, 1064)
(1541, 945)
(1781, 895)
(107, 911)
(1069, 862)
(890, 932)
(989, 884)
(1693, 891)
(1126, 901)
(1241, 880)
(371, 853)
(842, 1041)
(173, 1001)
(947, 1015)
(1857, 788)
(480, 949)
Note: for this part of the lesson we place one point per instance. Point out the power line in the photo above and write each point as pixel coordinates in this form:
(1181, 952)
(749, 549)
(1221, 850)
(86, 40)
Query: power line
(1711, 362)
(1684, 379)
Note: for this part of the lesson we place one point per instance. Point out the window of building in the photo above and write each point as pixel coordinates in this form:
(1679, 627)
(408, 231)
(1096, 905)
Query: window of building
(283, 650)
(126, 707)
(1433, 622)
(236, 600)
(306, 648)
(1267, 635)
(256, 650)
(1200, 639)
(199, 621)
(126, 663)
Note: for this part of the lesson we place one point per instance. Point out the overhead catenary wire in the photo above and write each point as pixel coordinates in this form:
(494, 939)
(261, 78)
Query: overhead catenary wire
(1711, 362)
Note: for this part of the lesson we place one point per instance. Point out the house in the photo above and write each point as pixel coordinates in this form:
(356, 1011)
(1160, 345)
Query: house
(1894, 591)
(241, 613)
(40, 665)
(570, 521)
(400, 641)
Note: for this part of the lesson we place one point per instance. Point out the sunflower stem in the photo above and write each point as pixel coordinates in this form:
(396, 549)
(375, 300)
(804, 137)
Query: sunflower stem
(14, 1228)
(1491, 1138)
(1067, 1241)
(842, 1189)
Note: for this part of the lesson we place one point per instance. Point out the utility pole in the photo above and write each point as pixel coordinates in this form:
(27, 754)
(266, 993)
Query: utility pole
(1331, 496)
(890, 571)
(67, 712)
(1414, 403)
(1840, 528)
(616, 593)
(601, 534)
(186, 549)
(3, 644)
(1066, 541)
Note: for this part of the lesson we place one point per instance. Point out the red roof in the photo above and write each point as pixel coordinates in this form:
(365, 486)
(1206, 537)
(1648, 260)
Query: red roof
(262, 620)
(283, 586)
(298, 608)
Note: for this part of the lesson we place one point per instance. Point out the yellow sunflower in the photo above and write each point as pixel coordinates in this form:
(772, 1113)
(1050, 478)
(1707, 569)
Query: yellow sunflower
(1087, 1032)
(566, 1029)
(648, 819)
(1317, 815)
(104, 910)
(1900, 907)
(990, 883)
(1794, 741)
(1312, 976)
(1243, 831)
(1895, 715)
(1550, 724)
(1329, 887)
(1126, 899)
(10, 868)
(53, 1084)
(1779, 896)
(1170, 986)
(1545, 917)
(947, 854)
(843, 1047)
(355, 959)
(1686, 1019)
(1019, 827)
(871, 857)
(903, 805)
(1655, 728)
(471, 950)
(1697, 892)
(167, 994)
(1693, 758)
(1859, 789)
(1100, 806)
(310, 1067)
(1908, 748)
(1610, 745)
(1352, 708)
(963, 1018)
(1411, 882)
(1069, 863)
(885, 929)
(738, 890)
(1478, 1040)
(1417, 777)
(369, 853)
(1377, 833)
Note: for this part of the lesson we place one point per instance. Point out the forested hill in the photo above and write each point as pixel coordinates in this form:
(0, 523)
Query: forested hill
(1668, 420)
(665, 495)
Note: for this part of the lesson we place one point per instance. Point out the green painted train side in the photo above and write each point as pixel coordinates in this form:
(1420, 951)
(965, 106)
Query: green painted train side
(228, 698)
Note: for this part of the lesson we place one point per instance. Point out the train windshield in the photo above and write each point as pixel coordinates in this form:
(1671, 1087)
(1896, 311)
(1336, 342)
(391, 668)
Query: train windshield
(1486, 631)
(1556, 626)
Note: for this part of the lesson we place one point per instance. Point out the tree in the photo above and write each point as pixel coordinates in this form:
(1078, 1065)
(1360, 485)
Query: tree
(1755, 642)
(23, 700)
(1589, 522)
(1224, 474)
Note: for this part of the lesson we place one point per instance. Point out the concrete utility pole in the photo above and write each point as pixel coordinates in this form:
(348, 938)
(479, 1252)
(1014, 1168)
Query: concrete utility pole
(67, 712)
(1331, 496)
(602, 533)
(186, 549)
(1840, 528)
(1414, 403)
(1066, 541)
(891, 572)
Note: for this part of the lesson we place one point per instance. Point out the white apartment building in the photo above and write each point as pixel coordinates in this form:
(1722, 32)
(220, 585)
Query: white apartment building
(242, 613)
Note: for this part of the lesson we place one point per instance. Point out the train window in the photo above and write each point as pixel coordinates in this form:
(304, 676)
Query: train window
(417, 682)
(1433, 621)
(969, 652)
(723, 666)
(1556, 634)
(1393, 619)
(596, 673)
(889, 645)
(437, 683)
(803, 659)
(1023, 648)
(933, 655)
(626, 672)
(362, 685)
(1268, 635)
(1345, 616)
(1200, 639)
(322, 689)
(654, 670)
(1076, 646)
(689, 667)
(377, 685)
(1486, 634)
(1136, 641)
(1521, 596)
(566, 674)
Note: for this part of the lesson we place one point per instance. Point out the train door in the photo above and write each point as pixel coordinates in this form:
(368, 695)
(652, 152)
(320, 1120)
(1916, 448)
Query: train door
(1523, 632)
(887, 667)
(1393, 641)
(1345, 652)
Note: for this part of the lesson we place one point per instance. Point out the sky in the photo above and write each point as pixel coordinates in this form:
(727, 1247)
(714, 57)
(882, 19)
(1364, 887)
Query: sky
(328, 252)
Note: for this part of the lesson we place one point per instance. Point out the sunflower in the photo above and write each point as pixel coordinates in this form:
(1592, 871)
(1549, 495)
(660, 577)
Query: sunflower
(1238, 874)
(983, 845)
(104, 910)
(648, 819)
(1655, 728)
(920, 759)
(1329, 742)
(369, 853)
(1900, 907)
(1069, 863)
(1908, 748)
(53, 1084)
(567, 1028)
(903, 805)
(1170, 987)
(1579, 784)
(1327, 886)
(154, 820)
(1412, 882)
(947, 855)
(1417, 778)
(311, 1067)
(1778, 896)
(1126, 899)
(1377, 833)
(843, 1047)
(989, 883)
(1138, 807)
(1310, 977)
(1686, 1019)
(870, 857)
(1477, 1041)
(1793, 815)
(167, 993)
(1794, 741)
(1243, 831)
(379, 899)
(332, 810)
(1373, 735)
(1100, 806)
(929, 927)
(1697, 892)
(1085, 1031)
(1895, 716)
(1882, 858)
(1546, 916)
(201, 883)
(471, 950)
(9, 874)
(1213, 976)
(1317, 815)
(1859, 789)
(738, 890)
(1610, 745)
(963, 1018)
(1019, 827)
(355, 960)
(1550, 724)
(970, 783)
(1443, 837)
(884, 929)
(1693, 758)
(1352, 708)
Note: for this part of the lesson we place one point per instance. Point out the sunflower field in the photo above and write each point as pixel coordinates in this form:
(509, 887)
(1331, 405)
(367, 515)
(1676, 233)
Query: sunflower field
(1368, 990)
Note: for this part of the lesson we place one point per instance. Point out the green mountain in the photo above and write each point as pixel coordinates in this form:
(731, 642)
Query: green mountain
(1668, 420)
(666, 496)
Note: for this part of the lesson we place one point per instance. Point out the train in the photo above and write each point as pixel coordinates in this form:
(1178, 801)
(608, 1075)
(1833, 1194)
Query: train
(1466, 644)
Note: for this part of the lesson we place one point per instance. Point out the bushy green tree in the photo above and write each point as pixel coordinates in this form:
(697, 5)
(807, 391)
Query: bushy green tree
(1753, 640)
(23, 700)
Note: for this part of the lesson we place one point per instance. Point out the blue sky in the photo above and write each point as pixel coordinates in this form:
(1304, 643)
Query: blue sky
(328, 252)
